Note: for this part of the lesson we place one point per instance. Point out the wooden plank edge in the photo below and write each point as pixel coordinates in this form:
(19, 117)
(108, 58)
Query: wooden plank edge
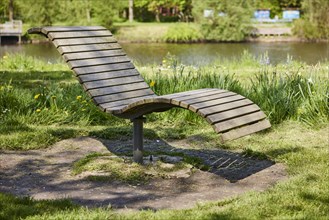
(97, 64)
(79, 44)
(81, 74)
(67, 59)
(238, 122)
(48, 29)
(246, 130)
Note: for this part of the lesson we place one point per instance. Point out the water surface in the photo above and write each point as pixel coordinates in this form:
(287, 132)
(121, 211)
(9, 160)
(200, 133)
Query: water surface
(194, 54)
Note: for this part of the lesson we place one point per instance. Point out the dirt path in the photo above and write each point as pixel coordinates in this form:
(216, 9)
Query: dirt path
(46, 174)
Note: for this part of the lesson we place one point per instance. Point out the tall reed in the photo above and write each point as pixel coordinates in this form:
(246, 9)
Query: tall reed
(281, 94)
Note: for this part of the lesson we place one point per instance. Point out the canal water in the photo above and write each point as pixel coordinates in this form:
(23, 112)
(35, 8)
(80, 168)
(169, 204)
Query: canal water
(194, 54)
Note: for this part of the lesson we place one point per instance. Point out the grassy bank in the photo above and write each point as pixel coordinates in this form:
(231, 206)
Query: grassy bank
(178, 32)
(183, 32)
(42, 103)
(158, 32)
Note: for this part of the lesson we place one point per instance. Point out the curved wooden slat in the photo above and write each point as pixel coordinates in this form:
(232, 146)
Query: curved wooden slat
(88, 48)
(103, 68)
(122, 96)
(93, 54)
(227, 98)
(113, 82)
(211, 97)
(181, 100)
(78, 34)
(83, 41)
(108, 75)
(110, 105)
(225, 115)
(246, 130)
(204, 112)
(116, 87)
(46, 30)
(237, 122)
(99, 61)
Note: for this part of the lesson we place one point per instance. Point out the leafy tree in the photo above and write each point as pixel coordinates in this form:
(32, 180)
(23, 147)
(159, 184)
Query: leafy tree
(315, 23)
(290, 3)
(72, 12)
(8, 10)
(43, 13)
(273, 5)
(105, 13)
(75, 12)
(230, 20)
(154, 6)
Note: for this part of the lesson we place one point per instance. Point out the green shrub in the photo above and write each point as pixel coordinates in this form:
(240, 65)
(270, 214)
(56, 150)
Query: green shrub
(182, 33)
(230, 21)
(305, 29)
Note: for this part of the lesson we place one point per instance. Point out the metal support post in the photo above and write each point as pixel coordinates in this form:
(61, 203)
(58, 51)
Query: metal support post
(138, 139)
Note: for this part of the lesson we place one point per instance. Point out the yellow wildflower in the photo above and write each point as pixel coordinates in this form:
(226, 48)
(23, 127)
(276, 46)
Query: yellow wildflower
(37, 96)
(152, 83)
(38, 110)
(5, 57)
(79, 97)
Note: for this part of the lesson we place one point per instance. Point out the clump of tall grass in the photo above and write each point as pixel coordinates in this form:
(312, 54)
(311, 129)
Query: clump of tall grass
(289, 96)
(283, 92)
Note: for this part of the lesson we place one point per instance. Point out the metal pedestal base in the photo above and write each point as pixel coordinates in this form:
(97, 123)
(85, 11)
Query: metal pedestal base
(138, 139)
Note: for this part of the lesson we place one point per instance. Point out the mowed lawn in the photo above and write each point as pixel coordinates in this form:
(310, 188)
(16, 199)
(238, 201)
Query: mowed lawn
(42, 103)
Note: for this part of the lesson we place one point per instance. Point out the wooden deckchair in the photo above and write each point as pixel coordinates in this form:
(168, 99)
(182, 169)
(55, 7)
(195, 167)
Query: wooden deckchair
(116, 87)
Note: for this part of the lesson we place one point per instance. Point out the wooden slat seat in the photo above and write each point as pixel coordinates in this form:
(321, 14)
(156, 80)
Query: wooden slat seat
(116, 87)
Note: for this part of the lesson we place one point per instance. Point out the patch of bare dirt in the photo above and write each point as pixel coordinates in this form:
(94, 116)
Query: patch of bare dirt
(47, 174)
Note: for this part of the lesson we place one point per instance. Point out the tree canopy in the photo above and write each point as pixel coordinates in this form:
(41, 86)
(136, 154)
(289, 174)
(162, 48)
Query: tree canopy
(79, 12)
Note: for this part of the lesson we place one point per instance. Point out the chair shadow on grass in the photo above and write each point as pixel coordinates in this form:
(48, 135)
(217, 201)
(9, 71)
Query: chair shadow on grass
(230, 165)
(27, 177)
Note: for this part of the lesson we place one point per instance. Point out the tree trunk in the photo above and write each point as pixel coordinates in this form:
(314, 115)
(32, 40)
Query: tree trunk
(87, 3)
(11, 10)
(157, 15)
(131, 10)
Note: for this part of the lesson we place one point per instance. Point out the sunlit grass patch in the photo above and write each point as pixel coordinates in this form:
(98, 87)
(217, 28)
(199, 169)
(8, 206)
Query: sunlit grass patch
(15, 208)
(113, 168)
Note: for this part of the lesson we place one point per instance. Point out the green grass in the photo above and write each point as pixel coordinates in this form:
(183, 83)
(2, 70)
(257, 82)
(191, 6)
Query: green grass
(142, 32)
(110, 168)
(294, 95)
(158, 32)
(305, 195)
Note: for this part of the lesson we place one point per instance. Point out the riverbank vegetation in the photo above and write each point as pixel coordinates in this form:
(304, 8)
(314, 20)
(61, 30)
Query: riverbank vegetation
(315, 23)
(42, 103)
(226, 20)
